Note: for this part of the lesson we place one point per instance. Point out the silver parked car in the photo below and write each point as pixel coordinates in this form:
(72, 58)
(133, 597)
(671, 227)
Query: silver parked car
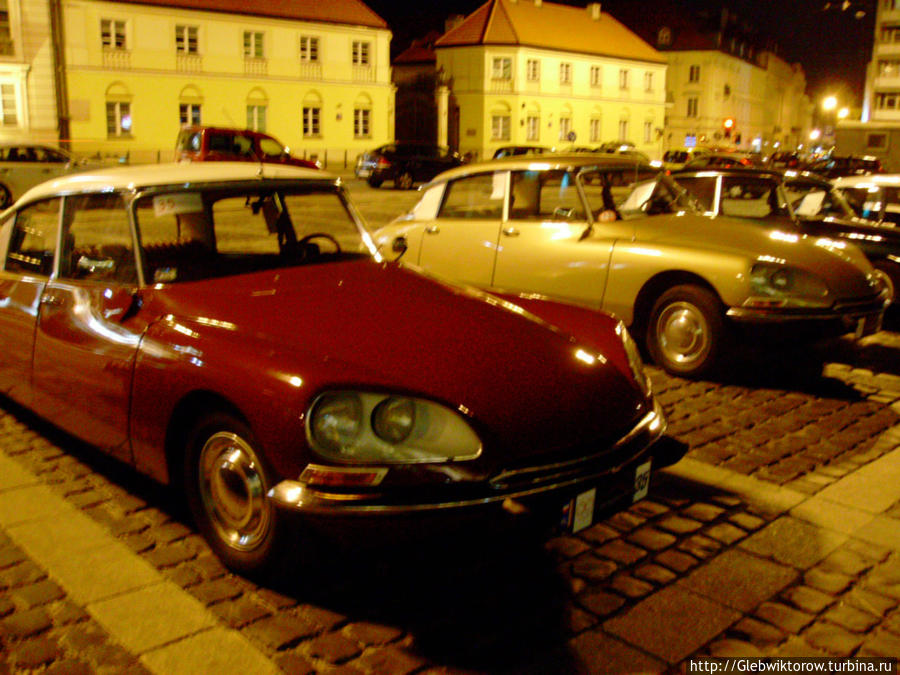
(616, 234)
(24, 165)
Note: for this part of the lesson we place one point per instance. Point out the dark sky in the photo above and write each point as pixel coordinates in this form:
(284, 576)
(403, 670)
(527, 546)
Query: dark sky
(832, 45)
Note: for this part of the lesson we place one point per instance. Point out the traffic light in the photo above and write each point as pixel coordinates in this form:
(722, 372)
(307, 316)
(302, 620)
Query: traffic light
(727, 126)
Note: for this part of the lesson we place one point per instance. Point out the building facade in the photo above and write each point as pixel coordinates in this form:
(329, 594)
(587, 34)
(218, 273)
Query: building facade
(527, 72)
(314, 75)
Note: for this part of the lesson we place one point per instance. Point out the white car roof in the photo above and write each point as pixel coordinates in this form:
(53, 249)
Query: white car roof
(149, 175)
(871, 180)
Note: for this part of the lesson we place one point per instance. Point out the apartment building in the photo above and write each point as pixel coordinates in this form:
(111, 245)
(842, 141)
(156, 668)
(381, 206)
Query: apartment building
(314, 74)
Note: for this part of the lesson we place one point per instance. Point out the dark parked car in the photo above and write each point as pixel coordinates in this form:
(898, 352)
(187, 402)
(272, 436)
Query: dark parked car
(221, 144)
(834, 167)
(231, 329)
(405, 163)
(801, 201)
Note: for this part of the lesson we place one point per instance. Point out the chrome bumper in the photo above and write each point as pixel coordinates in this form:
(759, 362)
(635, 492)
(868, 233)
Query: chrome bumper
(535, 481)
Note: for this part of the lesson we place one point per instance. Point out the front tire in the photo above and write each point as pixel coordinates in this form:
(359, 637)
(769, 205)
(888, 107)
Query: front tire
(227, 482)
(686, 333)
(404, 181)
(375, 182)
(5, 197)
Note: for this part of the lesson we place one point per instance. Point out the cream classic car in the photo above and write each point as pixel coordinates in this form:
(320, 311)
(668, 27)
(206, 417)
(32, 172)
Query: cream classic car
(618, 235)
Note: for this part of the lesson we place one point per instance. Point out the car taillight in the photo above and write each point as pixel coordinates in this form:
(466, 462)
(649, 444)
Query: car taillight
(382, 163)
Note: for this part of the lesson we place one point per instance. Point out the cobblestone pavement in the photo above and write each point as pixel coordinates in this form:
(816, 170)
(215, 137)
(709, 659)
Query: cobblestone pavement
(769, 539)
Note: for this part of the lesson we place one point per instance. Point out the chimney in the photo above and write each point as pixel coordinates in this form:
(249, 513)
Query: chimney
(594, 9)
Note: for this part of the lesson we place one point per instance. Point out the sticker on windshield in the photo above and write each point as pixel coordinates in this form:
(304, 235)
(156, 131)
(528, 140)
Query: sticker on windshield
(183, 202)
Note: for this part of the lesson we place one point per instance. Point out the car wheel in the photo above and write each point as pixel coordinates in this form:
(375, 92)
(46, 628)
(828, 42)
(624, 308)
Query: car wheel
(375, 182)
(5, 197)
(686, 332)
(404, 181)
(227, 483)
(892, 271)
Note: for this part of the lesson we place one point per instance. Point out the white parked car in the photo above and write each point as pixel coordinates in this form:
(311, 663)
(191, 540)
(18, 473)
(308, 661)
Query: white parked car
(874, 197)
(24, 165)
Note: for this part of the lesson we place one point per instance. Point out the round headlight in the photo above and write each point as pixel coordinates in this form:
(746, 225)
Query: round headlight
(781, 280)
(393, 419)
(337, 420)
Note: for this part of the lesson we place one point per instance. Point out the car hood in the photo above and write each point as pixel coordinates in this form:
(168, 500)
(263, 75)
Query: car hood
(523, 383)
(841, 265)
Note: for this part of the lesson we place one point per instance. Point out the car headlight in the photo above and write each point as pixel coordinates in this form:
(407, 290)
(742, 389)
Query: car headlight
(354, 426)
(773, 285)
(633, 354)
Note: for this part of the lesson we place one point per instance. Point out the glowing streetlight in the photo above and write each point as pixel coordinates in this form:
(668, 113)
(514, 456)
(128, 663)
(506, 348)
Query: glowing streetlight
(843, 113)
(829, 103)
(815, 135)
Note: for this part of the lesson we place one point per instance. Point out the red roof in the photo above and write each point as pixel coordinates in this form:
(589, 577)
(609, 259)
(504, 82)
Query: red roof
(352, 12)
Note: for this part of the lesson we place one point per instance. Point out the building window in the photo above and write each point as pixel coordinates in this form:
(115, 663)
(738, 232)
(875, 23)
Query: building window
(890, 33)
(623, 78)
(596, 130)
(623, 130)
(253, 44)
(533, 70)
(311, 128)
(694, 74)
(9, 116)
(360, 53)
(565, 73)
(361, 128)
(500, 127)
(889, 68)
(565, 126)
(596, 76)
(876, 141)
(692, 107)
(648, 81)
(189, 113)
(309, 48)
(256, 117)
(112, 33)
(533, 128)
(648, 132)
(886, 101)
(6, 42)
(501, 69)
(118, 118)
(186, 41)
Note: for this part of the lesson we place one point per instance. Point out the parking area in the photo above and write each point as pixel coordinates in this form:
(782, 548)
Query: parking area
(778, 534)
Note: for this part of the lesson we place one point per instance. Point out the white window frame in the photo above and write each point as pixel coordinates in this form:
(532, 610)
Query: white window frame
(648, 132)
(500, 127)
(565, 126)
(501, 68)
(565, 72)
(596, 130)
(187, 39)
(255, 120)
(114, 34)
(533, 128)
(311, 121)
(623, 131)
(694, 73)
(362, 123)
(254, 44)
(596, 76)
(190, 114)
(623, 78)
(693, 106)
(648, 81)
(533, 70)
(309, 48)
(361, 53)
(121, 113)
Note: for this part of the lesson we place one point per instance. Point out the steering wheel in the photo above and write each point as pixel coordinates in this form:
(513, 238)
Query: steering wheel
(318, 235)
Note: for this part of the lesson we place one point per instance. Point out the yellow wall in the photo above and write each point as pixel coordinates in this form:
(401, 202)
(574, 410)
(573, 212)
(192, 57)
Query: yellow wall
(148, 75)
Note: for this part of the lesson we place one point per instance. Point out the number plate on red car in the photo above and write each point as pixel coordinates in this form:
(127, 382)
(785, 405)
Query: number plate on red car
(579, 512)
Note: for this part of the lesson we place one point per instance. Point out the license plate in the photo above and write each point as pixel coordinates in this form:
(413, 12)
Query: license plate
(868, 325)
(579, 512)
(363, 173)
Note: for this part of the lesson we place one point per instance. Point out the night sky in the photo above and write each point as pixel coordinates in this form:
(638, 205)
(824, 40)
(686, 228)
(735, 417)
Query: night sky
(832, 45)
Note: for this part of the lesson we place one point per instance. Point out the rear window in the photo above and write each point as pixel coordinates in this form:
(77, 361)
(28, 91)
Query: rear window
(221, 142)
(188, 140)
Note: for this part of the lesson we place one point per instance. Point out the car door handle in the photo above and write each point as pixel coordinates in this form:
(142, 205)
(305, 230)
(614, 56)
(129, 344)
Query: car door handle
(511, 232)
(52, 300)
(432, 229)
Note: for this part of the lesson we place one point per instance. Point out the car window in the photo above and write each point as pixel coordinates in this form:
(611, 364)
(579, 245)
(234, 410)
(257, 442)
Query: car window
(813, 199)
(270, 147)
(221, 142)
(97, 241)
(703, 189)
(241, 145)
(203, 234)
(545, 195)
(749, 197)
(188, 140)
(624, 193)
(49, 155)
(479, 196)
(33, 242)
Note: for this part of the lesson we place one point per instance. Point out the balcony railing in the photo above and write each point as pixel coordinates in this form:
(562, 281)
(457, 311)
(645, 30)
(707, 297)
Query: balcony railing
(188, 63)
(501, 85)
(255, 66)
(119, 59)
(363, 73)
(310, 70)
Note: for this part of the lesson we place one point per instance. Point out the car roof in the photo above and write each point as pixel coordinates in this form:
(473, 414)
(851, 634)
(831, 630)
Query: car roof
(786, 174)
(181, 173)
(551, 160)
(879, 179)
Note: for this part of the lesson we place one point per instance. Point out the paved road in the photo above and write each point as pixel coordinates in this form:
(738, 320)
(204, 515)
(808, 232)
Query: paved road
(779, 534)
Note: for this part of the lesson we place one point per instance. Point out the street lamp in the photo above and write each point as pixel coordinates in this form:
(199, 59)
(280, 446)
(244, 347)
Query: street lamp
(843, 113)
(829, 103)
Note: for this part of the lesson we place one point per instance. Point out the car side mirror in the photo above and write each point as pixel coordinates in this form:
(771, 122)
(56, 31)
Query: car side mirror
(399, 246)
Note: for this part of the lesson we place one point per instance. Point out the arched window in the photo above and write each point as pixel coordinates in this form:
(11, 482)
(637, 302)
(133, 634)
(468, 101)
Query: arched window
(596, 125)
(257, 106)
(533, 122)
(190, 102)
(362, 116)
(500, 122)
(118, 111)
(311, 115)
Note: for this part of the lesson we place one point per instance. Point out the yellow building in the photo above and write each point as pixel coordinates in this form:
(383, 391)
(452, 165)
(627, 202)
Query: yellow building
(316, 75)
(527, 72)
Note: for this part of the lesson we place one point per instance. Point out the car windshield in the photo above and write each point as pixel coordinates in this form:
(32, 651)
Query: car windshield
(631, 192)
(188, 235)
(810, 199)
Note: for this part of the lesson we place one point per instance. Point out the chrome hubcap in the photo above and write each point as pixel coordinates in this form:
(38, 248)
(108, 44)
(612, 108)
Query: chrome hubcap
(682, 333)
(234, 491)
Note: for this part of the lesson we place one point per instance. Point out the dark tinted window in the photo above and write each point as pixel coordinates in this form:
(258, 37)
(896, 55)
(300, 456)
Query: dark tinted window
(33, 241)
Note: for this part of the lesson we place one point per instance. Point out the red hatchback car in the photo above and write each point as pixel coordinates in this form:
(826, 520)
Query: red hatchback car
(233, 331)
(221, 144)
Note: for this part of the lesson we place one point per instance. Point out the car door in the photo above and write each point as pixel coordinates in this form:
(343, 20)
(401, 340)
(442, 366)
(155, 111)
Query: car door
(542, 248)
(49, 163)
(31, 245)
(461, 242)
(84, 345)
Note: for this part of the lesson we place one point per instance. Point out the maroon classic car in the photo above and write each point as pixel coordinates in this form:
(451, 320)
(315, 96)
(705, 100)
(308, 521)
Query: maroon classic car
(232, 330)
